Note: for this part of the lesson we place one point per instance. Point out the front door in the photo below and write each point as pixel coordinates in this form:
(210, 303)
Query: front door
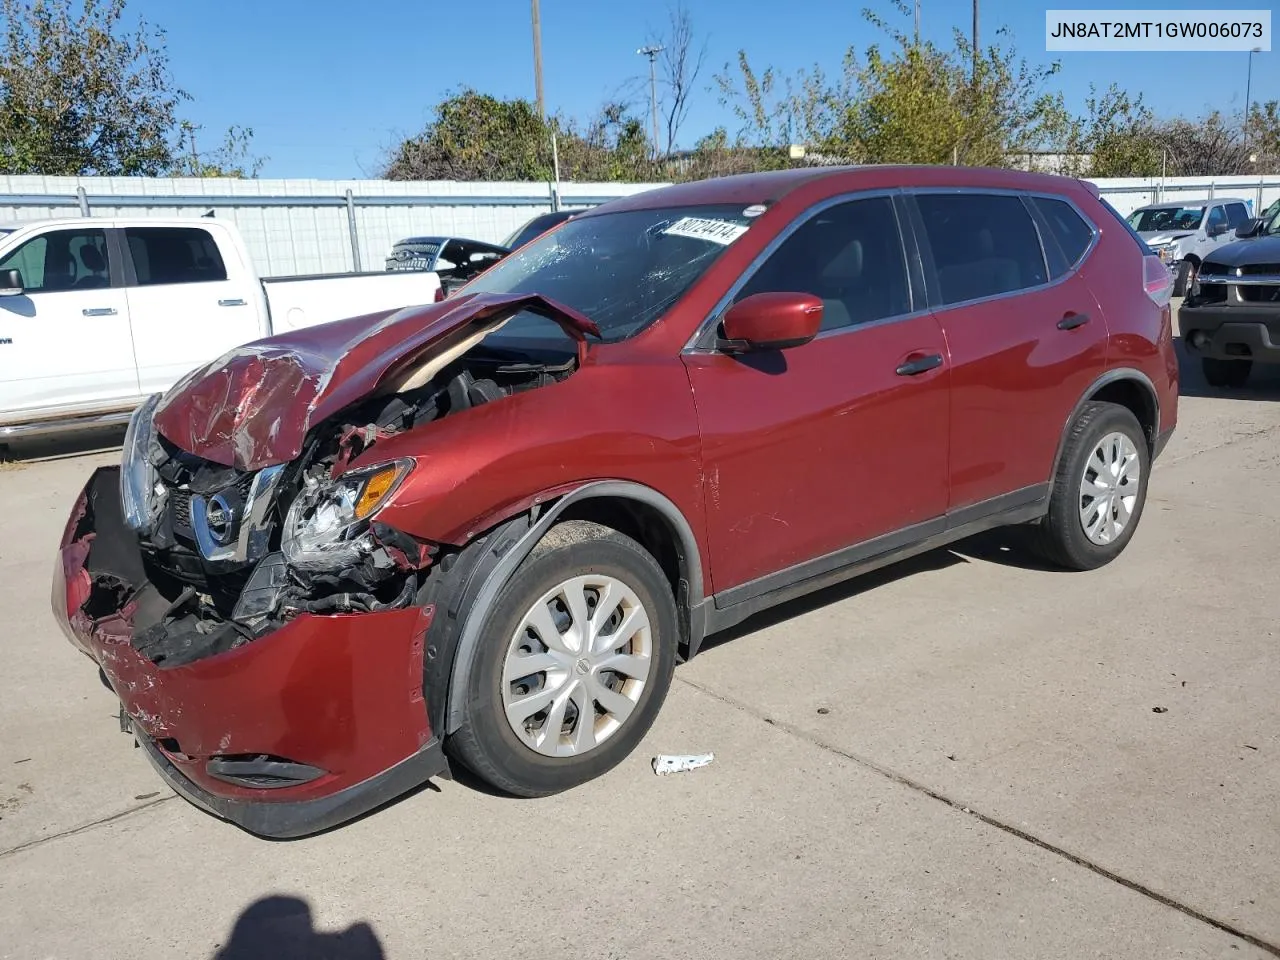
(813, 449)
(65, 340)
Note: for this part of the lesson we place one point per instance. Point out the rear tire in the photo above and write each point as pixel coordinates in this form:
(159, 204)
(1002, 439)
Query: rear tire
(1226, 373)
(1185, 279)
(1097, 500)
(584, 632)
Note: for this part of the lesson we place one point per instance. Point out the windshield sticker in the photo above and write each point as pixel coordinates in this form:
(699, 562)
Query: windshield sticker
(723, 232)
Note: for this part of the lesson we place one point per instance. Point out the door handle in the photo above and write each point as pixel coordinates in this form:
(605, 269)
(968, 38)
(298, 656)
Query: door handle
(99, 312)
(1073, 320)
(918, 365)
(231, 303)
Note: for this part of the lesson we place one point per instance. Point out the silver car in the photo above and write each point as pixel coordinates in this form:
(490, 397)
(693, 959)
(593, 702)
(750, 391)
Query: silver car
(1184, 232)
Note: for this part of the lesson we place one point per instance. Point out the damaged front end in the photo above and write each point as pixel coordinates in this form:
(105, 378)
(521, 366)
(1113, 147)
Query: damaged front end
(261, 627)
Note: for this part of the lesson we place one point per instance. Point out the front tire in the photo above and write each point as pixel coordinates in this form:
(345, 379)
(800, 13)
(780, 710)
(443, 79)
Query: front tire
(576, 659)
(1099, 489)
(1226, 373)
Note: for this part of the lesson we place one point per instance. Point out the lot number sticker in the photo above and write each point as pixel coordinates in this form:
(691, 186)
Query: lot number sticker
(722, 232)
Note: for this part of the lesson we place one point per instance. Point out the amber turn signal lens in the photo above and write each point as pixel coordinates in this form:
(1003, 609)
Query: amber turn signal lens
(375, 490)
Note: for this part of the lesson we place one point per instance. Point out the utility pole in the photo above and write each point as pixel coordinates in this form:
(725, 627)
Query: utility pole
(1248, 94)
(652, 53)
(975, 43)
(537, 60)
(917, 23)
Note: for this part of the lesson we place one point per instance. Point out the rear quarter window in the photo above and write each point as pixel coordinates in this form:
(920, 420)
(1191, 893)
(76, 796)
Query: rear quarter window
(1070, 231)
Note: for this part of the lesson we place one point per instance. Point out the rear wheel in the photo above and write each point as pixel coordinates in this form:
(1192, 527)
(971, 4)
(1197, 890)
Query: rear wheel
(1185, 278)
(1099, 489)
(1226, 373)
(576, 660)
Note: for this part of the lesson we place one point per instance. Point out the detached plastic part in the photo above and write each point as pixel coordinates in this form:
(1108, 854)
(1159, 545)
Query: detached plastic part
(663, 764)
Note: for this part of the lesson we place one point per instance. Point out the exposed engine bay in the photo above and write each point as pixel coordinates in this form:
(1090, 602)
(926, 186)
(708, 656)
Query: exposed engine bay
(229, 555)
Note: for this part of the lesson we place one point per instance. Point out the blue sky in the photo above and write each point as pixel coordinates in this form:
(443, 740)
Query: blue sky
(329, 85)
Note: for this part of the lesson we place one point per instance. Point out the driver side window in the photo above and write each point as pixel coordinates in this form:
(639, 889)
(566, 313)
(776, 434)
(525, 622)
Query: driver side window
(1217, 219)
(62, 260)
(850, 256)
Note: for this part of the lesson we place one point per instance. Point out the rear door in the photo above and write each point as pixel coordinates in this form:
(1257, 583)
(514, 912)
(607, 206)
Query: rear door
(186, 308)
(65, 340)
(814, 449)
(1026, 336)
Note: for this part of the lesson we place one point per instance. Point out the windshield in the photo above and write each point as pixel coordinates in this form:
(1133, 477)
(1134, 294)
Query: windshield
(622, 270)
(538, 225)
(1166, 218)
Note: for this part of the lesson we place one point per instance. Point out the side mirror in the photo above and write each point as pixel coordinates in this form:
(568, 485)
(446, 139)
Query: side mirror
(771, 321)
(1250, 228)
(1218, 230)
(11, 283)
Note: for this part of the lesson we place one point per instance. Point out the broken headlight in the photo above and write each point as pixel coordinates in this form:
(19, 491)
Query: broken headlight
(327, 524)
(137, 475)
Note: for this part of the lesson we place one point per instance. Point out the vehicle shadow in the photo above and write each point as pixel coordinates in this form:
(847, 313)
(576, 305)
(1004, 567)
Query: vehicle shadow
(933, 560)
(1264, 379)
(63, 447)
(1003, 545)
(281, 928)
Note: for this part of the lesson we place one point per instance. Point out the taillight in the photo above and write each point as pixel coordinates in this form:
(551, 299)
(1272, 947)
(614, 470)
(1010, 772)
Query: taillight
(1157, 280)
(439, 293)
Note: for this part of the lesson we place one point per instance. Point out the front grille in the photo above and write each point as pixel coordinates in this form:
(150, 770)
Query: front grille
(1262, 294)
(180, 501)
(1260, 269)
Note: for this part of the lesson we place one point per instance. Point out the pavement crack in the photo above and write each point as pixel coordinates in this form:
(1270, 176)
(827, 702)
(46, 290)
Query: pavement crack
(902, 779)
(85, 827)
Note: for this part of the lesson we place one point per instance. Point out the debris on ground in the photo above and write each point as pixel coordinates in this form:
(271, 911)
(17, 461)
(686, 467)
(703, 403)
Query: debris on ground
(1159, 709)
(663, 765)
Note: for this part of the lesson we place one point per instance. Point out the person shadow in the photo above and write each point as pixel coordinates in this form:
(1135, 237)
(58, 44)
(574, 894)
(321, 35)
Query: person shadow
(282, 928)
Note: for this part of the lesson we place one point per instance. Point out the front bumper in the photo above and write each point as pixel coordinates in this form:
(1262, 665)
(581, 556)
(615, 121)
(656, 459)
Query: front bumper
(1228, 331)
(339, 697)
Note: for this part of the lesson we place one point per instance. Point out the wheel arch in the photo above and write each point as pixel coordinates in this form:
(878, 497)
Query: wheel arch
(632, 508)
(1127, 387)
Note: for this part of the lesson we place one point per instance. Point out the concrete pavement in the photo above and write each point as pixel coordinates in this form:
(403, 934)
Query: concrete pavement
(986, 777)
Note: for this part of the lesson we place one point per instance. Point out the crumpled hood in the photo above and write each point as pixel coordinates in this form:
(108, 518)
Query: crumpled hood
(1153, 237)
(252, 407)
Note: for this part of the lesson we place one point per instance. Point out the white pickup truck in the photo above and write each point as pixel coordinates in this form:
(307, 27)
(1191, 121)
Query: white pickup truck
(97, 313)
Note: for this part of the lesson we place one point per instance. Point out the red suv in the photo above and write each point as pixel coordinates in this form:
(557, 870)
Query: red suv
(484, 531)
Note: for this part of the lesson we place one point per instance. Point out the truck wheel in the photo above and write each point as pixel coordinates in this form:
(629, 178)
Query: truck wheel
(1226, 373)
(1099, 489)
(576, 660)
(1185, 278)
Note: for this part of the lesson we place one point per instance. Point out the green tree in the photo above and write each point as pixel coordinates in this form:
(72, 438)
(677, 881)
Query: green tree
(475, 136)
(82, 93)
(902, 101)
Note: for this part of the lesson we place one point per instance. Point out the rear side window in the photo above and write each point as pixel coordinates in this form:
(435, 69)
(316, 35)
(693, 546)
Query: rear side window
(983, 245)
(1237, 214)
(164, 255)
(1071, 232)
